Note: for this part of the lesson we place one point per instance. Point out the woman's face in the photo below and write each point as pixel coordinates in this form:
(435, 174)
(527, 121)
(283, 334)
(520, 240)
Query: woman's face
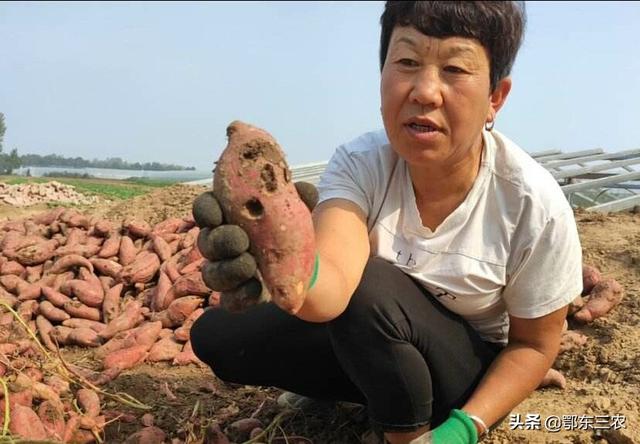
(436, 97)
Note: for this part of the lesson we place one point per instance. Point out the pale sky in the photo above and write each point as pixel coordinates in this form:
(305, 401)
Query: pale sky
(161, 81)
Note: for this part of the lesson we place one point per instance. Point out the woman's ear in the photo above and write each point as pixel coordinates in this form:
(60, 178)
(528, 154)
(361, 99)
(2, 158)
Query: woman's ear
(498, 97)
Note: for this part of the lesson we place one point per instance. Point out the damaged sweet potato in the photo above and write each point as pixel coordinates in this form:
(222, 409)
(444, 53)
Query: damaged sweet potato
(252, 183)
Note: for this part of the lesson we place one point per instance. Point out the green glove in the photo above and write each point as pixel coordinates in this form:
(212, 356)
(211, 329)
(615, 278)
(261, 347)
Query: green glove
(457, 429)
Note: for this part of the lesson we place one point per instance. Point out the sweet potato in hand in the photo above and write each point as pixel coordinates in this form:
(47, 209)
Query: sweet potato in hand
(253, 186)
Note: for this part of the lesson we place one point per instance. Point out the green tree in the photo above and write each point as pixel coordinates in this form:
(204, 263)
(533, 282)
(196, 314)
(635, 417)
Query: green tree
(3, 128)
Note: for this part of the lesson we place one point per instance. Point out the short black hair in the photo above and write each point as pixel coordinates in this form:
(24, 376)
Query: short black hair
(497, 25)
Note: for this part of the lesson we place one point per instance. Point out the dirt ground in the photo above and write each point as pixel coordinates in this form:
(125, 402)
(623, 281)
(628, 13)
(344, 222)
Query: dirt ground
(603, 377)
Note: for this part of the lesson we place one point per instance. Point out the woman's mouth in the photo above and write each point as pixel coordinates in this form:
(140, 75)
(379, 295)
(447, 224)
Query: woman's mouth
(422, 128)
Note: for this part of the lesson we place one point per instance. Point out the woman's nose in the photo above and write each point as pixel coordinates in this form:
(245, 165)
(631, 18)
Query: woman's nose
(427, 89)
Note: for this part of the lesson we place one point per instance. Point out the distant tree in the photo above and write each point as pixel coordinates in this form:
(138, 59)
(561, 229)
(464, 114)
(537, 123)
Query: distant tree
(9, 162)
(3, 128)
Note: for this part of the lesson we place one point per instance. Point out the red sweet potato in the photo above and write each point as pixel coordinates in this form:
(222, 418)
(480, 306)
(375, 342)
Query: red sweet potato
(575, 305)
(603, 298)
(84, 323)
(89, 294)
(52, 419)
(111, 303)
(183, 332)
(144, 335)
(84, 250)
(89, 401)
(171, 268)
(55, 297)
(142, 270)
(12, 283)
(37, 253)
(79, 310)
(148, 435)
(71, 428)
(158, 297)
(61, 279)
(29, 291)
(8, 298)
(191, 284)
(49, 311)
(169, 225)
(590, 278)
(129, 318)
(110, 247)
(70, 261)
(60, 334)
(106, 267)
(186, 356)
(180, 309)
(12, 267)
(164, 350)
(126, 358)
(137, 228)
(27, 310)
(103, 227)
(85, 337)
(161, 247)
(48, 217)
(77, 221)
(190, 237)
(34, 273)
(59, 385)
(8, 348)
(26, 423)
(127, 252)
(253, 186)
(107, 282)
(193, 267)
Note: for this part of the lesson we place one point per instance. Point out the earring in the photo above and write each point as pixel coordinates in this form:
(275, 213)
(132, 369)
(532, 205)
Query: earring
(489, 125)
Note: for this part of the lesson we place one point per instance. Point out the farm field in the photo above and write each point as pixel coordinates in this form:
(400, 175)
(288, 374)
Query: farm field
(603, 376)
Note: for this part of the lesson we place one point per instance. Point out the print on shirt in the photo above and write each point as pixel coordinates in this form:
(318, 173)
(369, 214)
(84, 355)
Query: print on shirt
(406, 260)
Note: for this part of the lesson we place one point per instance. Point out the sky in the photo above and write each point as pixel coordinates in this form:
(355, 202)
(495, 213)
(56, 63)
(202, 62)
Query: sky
(161, 81)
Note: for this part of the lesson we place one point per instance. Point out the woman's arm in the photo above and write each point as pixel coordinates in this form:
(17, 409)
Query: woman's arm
(342, 241)
(519, 368)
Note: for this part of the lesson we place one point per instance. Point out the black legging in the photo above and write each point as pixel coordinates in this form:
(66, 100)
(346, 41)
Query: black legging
(395, 349)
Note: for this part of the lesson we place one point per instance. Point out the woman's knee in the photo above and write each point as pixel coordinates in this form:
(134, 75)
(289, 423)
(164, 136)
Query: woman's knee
(201, 337)
(373, 300)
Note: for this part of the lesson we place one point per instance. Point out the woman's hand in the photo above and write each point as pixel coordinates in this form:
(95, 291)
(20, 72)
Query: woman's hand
(230, 268)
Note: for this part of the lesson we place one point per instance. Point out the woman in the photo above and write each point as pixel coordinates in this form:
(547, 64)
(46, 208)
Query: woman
(447, 256)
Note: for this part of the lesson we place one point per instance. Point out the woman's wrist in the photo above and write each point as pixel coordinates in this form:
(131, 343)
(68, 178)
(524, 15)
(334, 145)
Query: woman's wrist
(481, 426)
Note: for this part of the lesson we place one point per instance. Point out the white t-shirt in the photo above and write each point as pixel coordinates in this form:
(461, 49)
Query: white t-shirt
(511, 247)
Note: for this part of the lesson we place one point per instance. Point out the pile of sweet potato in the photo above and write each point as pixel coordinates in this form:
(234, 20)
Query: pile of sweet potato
(129, 290)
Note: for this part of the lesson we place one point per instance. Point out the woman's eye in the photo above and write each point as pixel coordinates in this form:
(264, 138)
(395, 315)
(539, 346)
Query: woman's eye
(454, 69)
(407, 62)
